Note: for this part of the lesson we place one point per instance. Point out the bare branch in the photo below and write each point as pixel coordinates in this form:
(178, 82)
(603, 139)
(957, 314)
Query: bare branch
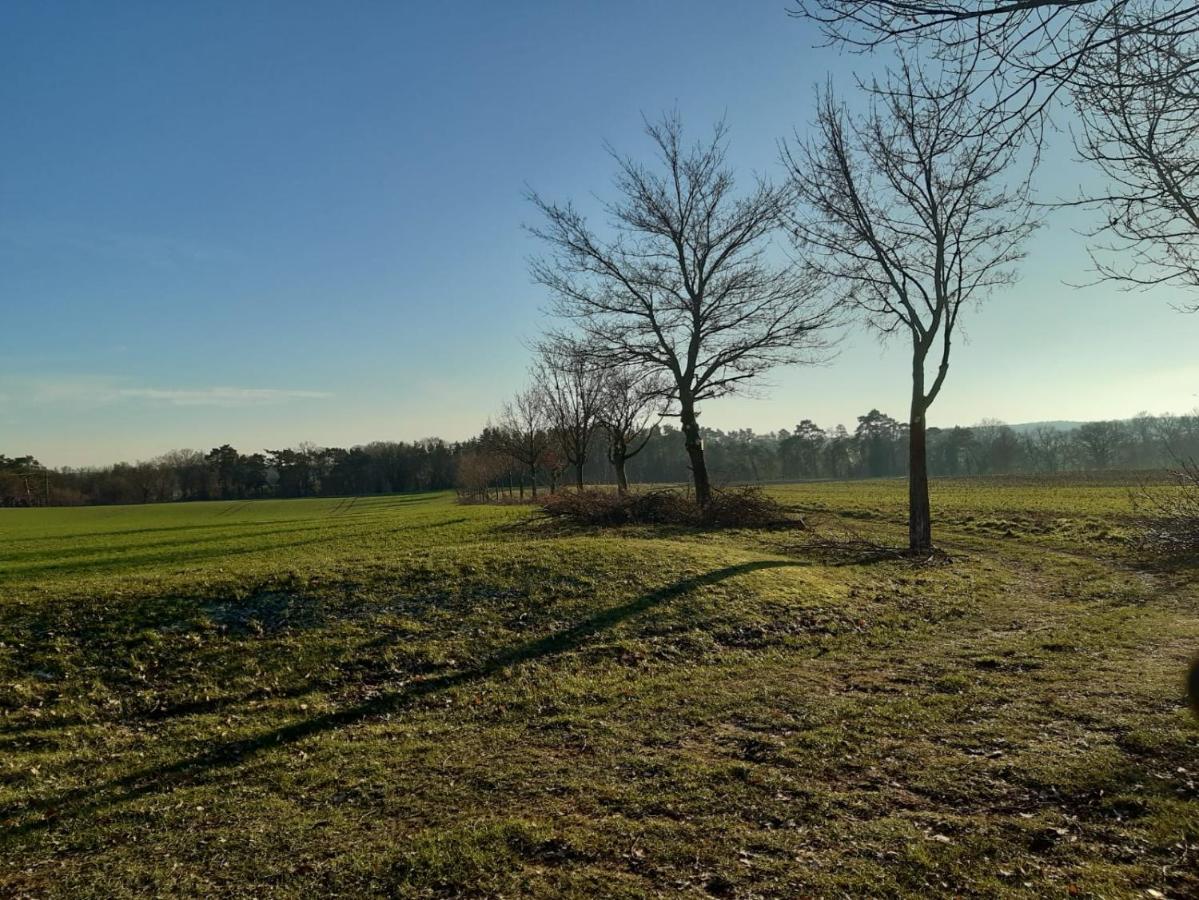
(685, 281)
(911, 211)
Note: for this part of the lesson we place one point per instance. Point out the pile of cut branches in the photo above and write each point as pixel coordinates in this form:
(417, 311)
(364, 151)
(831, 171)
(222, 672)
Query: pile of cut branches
(742, 507)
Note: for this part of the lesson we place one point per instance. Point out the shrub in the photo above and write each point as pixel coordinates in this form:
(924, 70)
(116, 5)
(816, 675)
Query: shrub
(744, 507)
(1169, 515)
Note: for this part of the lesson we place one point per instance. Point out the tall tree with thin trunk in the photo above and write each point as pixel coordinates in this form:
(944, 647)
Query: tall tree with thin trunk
(573, 386)
(632, 404)
(912, 211)
(682, 280)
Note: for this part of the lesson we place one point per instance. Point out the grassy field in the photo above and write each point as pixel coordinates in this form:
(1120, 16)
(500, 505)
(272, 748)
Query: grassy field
(402, 696)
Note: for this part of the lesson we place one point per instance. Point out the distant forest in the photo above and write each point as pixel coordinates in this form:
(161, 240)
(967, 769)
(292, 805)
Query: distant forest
(876, 448)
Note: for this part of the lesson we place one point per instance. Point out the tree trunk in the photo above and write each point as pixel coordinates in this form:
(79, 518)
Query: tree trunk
(533, 480)
(920, 528)
(622, 480)
(695, 451)
(579, 475)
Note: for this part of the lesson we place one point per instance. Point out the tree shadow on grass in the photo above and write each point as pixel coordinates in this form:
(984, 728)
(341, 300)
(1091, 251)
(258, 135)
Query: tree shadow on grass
(1185, 564)
(15, 734)
(77, 803)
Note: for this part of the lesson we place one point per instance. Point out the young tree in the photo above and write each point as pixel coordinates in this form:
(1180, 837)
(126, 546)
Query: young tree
(477, 471)
(910, 212)
(572, 385)
(682, 283)
(630, 407)
(521, 432)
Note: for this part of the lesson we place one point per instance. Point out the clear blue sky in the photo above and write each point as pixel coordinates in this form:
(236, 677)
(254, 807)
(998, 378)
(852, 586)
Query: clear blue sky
(274, 222)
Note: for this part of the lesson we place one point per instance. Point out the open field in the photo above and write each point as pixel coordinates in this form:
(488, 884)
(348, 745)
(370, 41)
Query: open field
(402, 696)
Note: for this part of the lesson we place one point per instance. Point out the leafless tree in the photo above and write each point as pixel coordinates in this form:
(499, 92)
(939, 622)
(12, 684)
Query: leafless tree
(1138, 110)
(1047, 447)
(683, 282)
(1169, 525)
(1096, 443)
(573, 387)
(1028, 48)
(1132, 70)
(633, 402)
(911, 212)
(522, 432)
(477, 471)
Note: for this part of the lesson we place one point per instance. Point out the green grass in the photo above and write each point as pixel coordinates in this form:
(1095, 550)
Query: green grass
(401, 696)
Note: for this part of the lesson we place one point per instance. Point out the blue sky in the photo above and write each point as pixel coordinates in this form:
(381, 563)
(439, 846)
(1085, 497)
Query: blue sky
(269, 223)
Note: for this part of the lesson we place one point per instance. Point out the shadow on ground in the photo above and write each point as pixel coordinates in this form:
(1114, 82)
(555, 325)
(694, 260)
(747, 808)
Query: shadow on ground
(80, 802)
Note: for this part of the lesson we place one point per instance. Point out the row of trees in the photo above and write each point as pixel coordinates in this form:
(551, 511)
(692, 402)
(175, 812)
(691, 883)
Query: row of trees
(899, 215)
(572, 413)
(616, 448)
(878, 447)
(224, 473)
(902, 215)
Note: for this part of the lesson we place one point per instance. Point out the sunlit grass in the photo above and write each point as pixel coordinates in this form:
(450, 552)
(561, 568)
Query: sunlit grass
(402, 696)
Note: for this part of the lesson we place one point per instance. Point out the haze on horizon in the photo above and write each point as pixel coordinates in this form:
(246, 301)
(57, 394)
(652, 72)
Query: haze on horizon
(271, 226)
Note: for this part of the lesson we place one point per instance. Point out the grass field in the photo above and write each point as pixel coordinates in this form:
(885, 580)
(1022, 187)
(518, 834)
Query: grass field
(402, 696)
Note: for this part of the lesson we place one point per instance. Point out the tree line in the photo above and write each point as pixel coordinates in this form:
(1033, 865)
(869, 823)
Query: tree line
(224, 473)
(877, 447)
(486, 466)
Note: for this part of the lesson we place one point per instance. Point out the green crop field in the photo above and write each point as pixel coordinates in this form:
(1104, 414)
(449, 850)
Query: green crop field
(404, 696)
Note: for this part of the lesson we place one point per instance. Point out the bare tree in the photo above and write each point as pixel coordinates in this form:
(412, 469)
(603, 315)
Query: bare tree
(683, 282)
(1138, 109)
(1027, 48)
(477, 471)
(909, 211)
(521, 432)
(632, 404)
(573, 387)
(1096, 443)
(1047, 447)
(1132, 68)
